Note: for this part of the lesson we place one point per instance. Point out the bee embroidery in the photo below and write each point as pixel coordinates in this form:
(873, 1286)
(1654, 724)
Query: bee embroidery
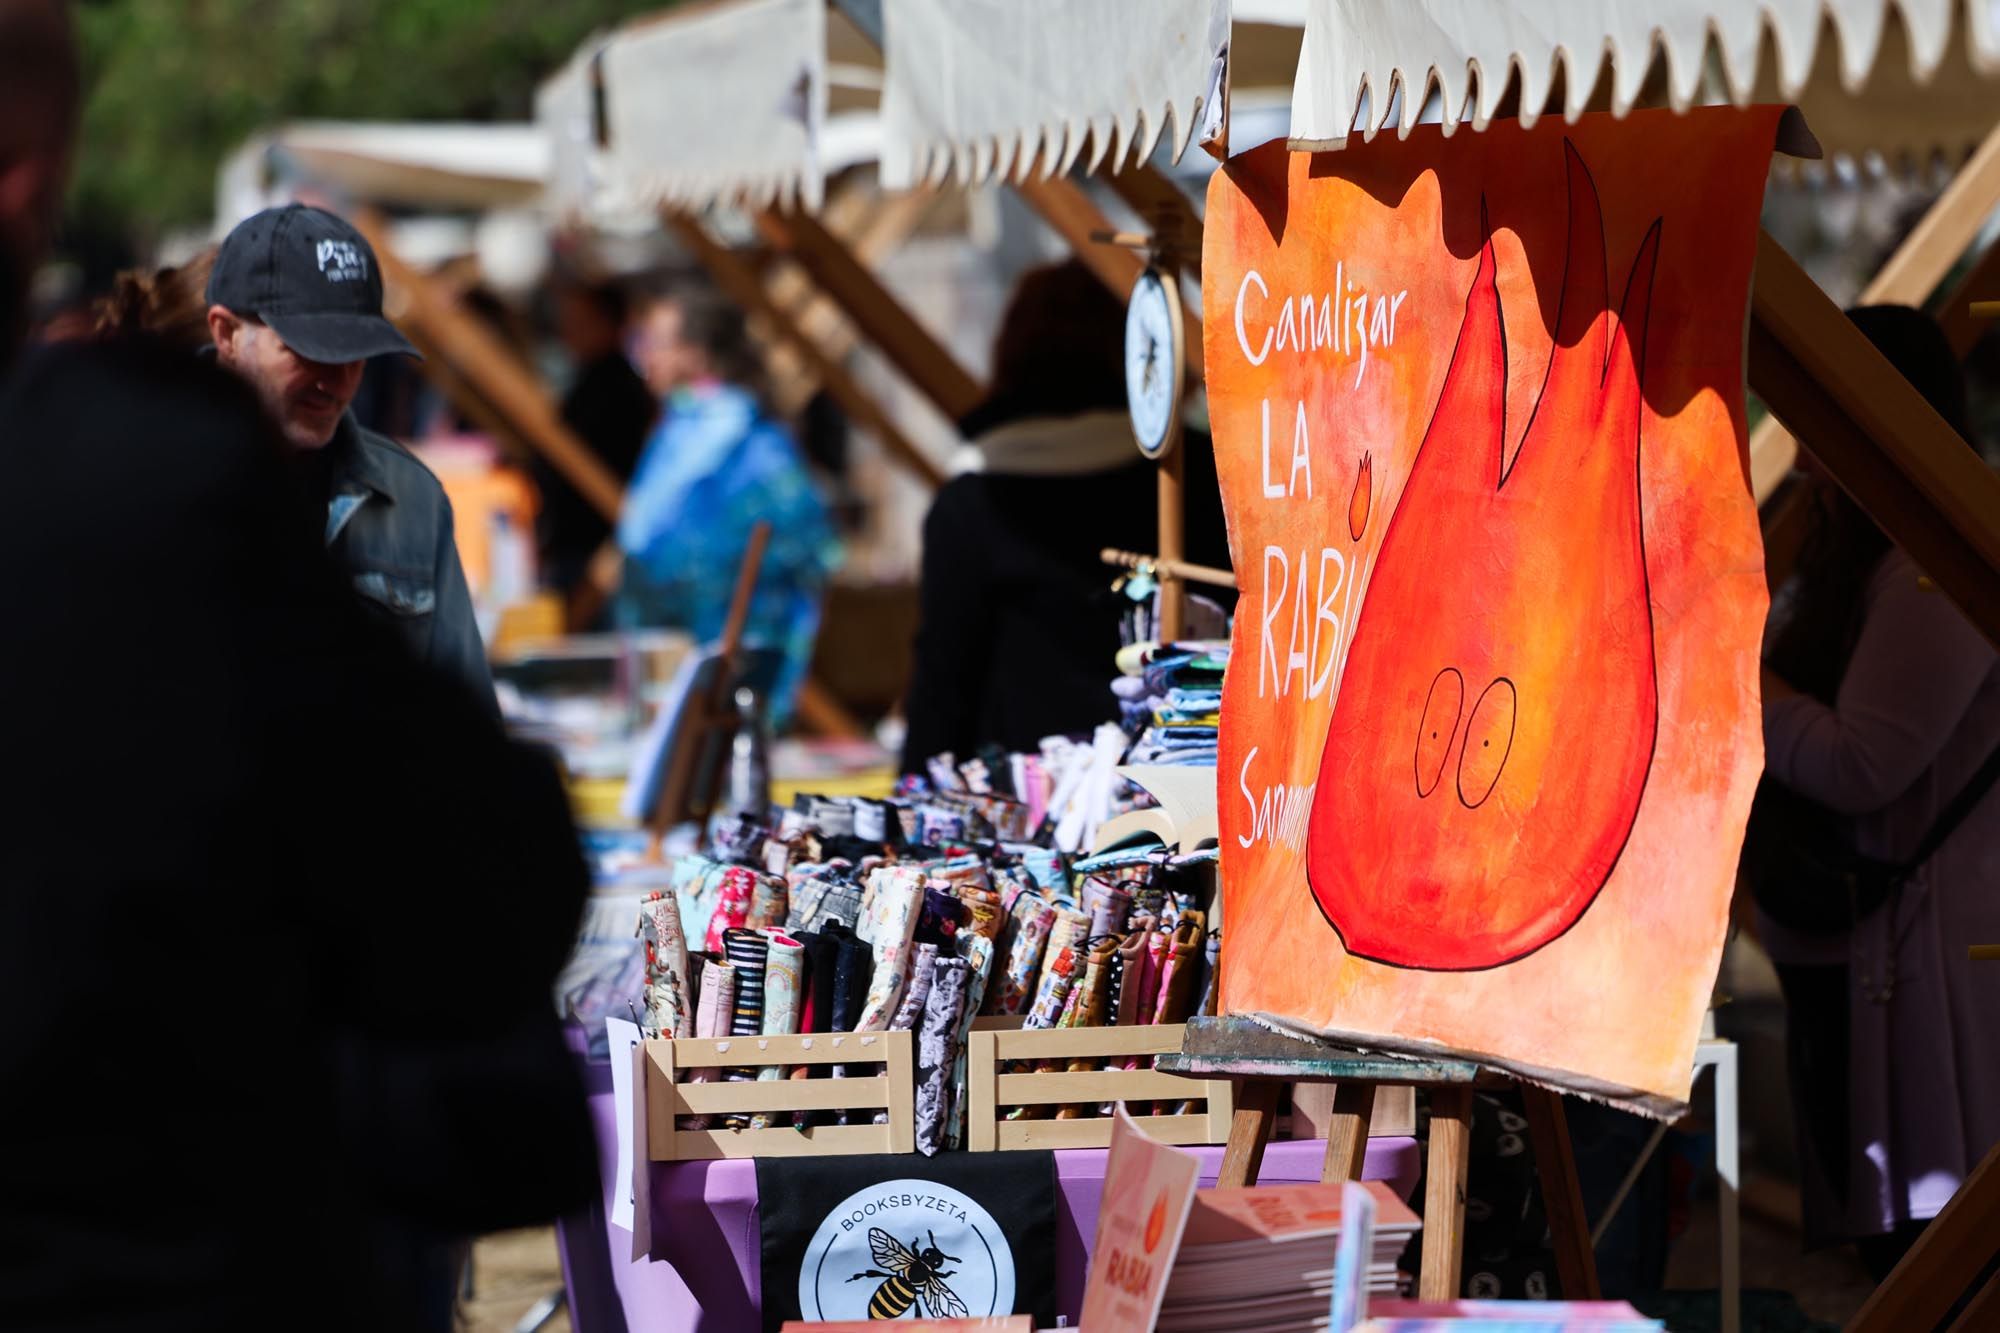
(914, 1271)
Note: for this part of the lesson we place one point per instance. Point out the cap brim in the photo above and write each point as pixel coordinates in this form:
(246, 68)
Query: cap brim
(337, 340)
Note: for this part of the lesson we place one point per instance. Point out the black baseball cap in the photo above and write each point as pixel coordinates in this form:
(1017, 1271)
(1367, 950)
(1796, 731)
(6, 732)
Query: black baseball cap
(312, 278)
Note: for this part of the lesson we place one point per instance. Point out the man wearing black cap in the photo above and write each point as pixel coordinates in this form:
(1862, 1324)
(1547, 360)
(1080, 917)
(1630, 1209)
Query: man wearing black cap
(295, 308)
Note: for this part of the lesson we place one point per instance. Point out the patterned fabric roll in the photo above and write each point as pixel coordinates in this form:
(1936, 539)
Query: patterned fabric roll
(1092, 993)
(782, 995)
(1177, 976)
(871, 821)
(748, 951)
(1066, 934)
(820, 898)
(669, 1001)
(769, 902)
(713, 1015)
(922, 964)
(1015, 991)
(1057, 974)
(982, 909)
(1108, 908)
(739, 840)
(888, 923)
(938, 1049)
(732, 905)
(697, 884)
(979, 954)
(941, 916)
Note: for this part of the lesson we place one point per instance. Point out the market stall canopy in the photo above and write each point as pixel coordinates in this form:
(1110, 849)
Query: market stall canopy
(752, 103)
(1362, 58)
(982, 88)
(438, 166)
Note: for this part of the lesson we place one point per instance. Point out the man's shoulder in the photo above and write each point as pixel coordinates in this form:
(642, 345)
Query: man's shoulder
(402, 473)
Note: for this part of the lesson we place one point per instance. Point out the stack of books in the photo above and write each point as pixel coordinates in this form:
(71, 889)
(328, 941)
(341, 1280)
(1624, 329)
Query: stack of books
(1262, 1258)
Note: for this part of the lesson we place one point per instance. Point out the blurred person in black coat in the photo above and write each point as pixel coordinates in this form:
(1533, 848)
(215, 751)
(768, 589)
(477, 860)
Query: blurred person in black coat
(1018, 626)
(610, 409)
(280, 910)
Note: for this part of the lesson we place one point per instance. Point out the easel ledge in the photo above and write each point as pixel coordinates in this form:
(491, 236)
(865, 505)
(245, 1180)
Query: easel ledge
(1261, 1061)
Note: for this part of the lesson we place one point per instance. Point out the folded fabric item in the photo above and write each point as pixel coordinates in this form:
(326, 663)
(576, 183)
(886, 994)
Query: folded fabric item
(739, 839)
(853, 964)
(1179, 970)
(889, 904)
(941, 916)
(732, 905)
(822, 951)
(816, 899)
(1057, 973)
(714, 1016)
(979, 953)
(770, 902)
(941, 827)
(1136, 986)
(1091, 1009)
(983, 912)
(747, 951)
(938, 1040)
(923, 962)
(782, 994)
(871, 820)
(1068, 931)
(669, 1001)
(833, 817)
(1108, 907)
(1033, 919)
(697, 886)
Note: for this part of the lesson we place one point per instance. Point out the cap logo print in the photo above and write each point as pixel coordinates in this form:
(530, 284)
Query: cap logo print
(342, 261)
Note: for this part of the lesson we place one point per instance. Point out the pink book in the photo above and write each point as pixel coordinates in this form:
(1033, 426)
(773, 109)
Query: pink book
(1283, 1213)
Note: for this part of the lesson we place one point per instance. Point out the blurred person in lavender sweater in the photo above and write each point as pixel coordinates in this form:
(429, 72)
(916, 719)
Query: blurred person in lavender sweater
(1881, 701)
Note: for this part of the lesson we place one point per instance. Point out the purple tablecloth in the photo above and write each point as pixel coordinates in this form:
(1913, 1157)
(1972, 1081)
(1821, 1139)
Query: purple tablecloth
(703, 1273)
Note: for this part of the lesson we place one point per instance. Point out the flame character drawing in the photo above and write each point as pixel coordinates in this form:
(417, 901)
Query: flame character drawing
(1495, 723)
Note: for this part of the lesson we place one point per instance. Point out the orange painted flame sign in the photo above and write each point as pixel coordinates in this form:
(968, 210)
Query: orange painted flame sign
(1496, 717)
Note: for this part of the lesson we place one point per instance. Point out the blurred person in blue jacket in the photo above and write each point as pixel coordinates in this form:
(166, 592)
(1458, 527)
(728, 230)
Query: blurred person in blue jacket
(715, 464)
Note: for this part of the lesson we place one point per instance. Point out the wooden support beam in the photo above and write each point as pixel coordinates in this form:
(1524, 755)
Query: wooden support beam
(1963, 326)
(1944, 1264)
(1875, 435)
(1909, 277)
(1166, 208)
(906, 343)
(741, 284)
(1064, 206)
(501, 378)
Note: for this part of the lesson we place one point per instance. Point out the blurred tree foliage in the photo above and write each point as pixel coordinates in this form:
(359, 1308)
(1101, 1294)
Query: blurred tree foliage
(176, 85)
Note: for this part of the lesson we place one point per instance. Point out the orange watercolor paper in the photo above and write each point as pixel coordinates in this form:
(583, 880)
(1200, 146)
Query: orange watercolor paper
(1491, 726)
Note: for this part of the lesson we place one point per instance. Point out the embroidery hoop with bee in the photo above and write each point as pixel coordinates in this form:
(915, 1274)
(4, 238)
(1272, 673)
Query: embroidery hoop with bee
(915, 1272)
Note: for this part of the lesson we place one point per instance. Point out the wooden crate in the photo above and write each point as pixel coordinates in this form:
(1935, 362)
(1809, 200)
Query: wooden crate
(881, 1074)
(989, 1091)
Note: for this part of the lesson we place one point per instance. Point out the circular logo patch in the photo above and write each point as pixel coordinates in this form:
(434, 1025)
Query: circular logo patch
(907, 1246)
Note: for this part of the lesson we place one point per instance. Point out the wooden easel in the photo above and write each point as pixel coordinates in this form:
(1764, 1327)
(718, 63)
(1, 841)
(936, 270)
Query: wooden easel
(1261, 1062)
(707, 715)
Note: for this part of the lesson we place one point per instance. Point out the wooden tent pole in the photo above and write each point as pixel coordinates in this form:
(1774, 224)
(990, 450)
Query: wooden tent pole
(906, 343)
(742, 285)
(1947, 229)
(1875, 434)
(494, 372)
(1065, 207)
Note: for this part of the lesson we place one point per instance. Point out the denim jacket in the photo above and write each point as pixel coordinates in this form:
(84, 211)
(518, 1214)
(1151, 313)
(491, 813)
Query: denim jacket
(389, 525)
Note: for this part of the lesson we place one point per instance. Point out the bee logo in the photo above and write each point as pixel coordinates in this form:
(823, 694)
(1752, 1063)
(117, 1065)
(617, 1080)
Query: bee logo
(914, 1272)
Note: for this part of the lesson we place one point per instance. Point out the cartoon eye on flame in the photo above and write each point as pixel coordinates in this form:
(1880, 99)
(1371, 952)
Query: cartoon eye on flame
(1437, 726)
(1489, 738)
